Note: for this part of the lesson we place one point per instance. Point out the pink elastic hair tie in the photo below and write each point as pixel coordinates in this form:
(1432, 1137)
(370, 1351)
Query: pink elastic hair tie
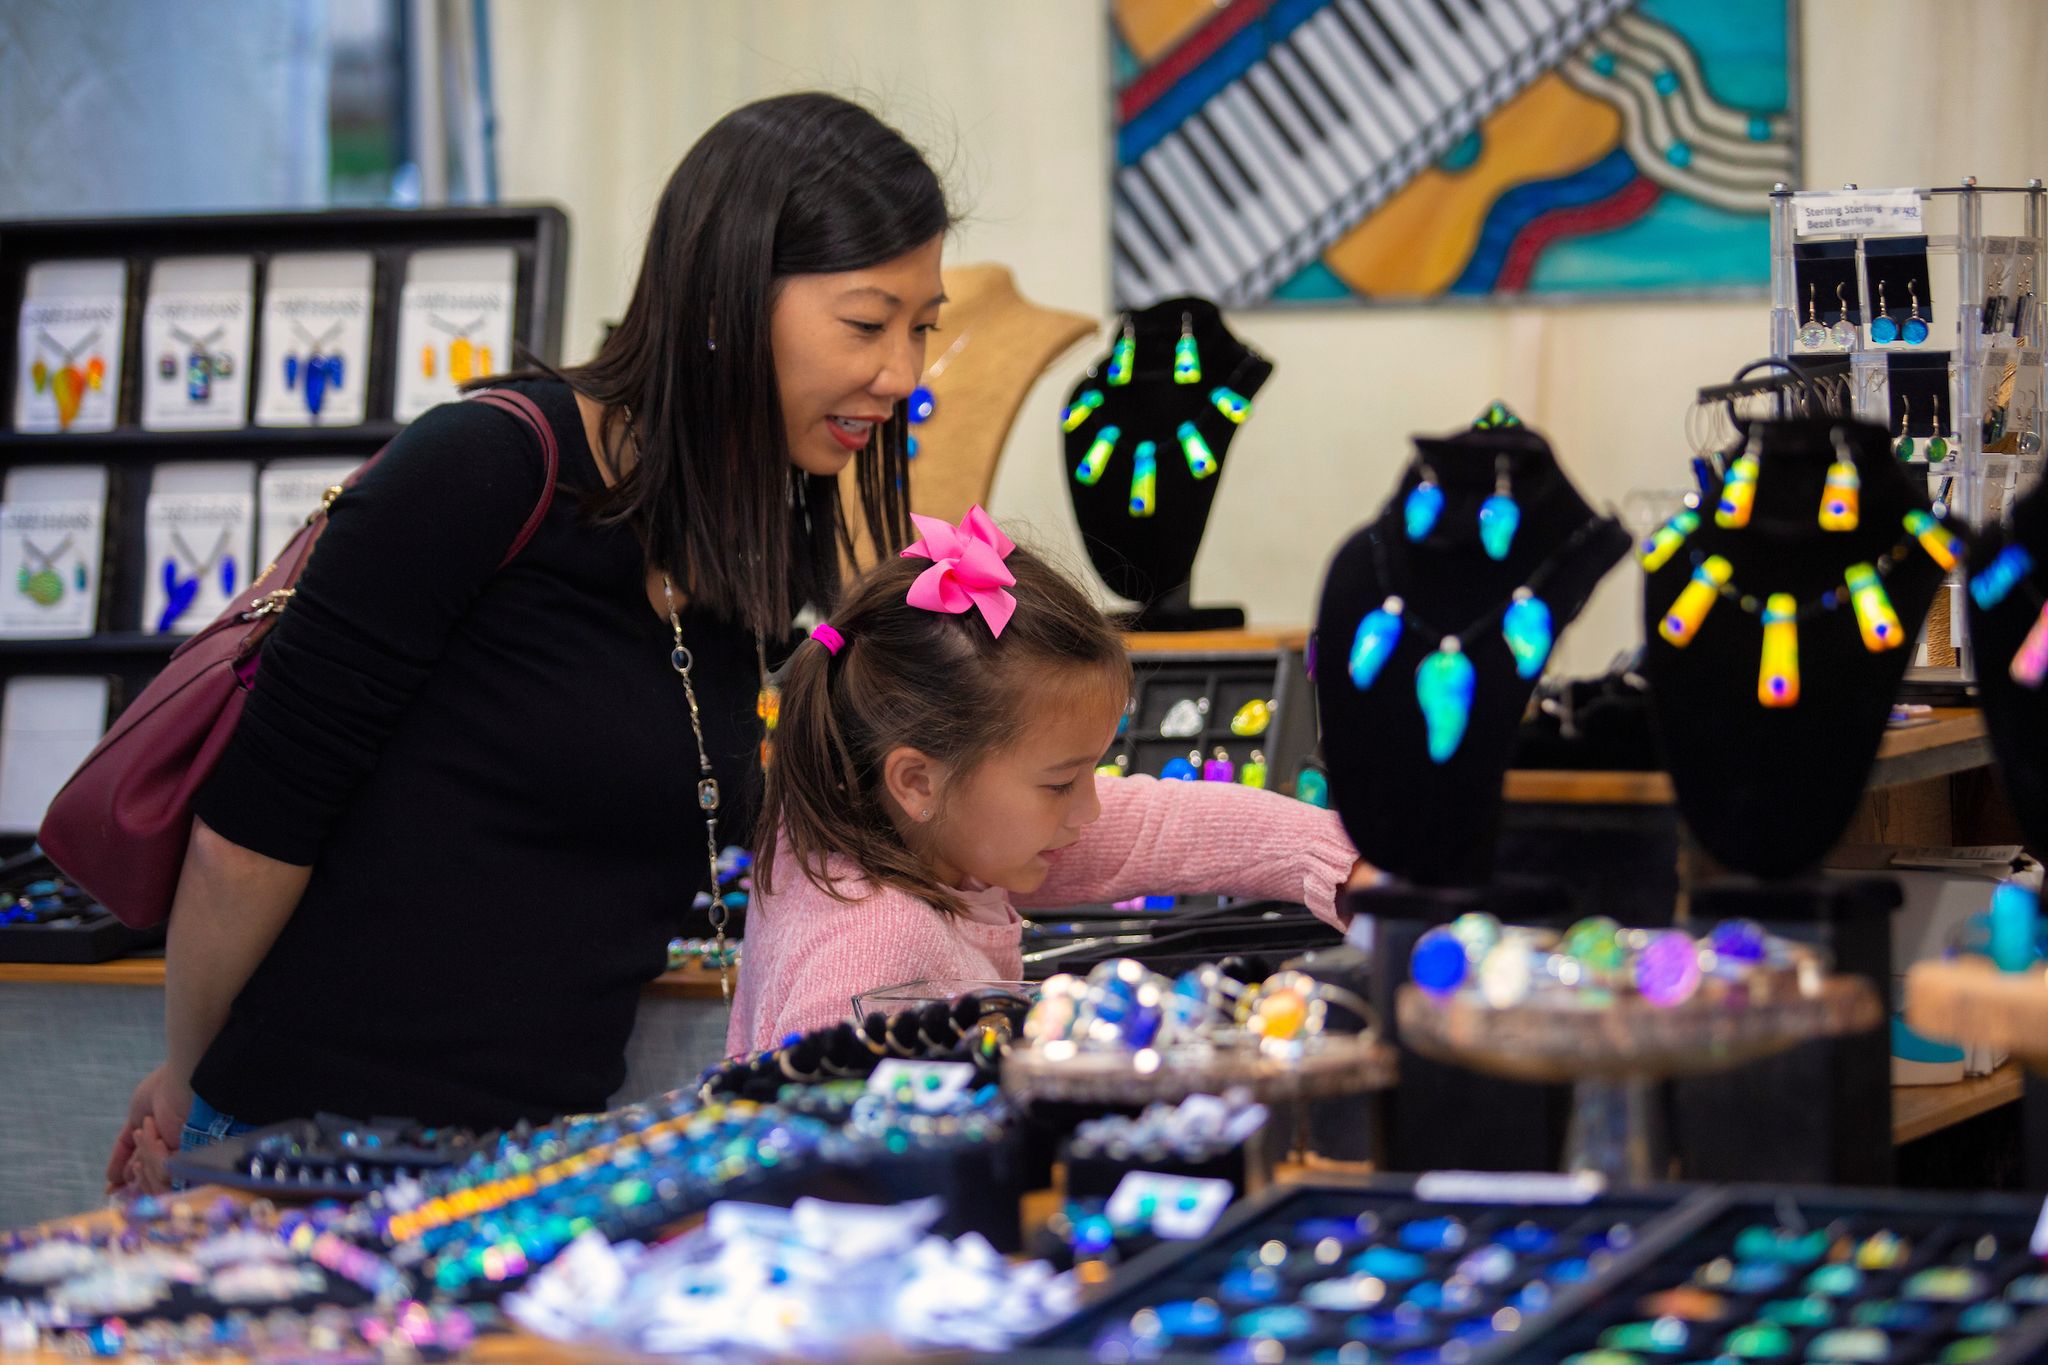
(828, 635)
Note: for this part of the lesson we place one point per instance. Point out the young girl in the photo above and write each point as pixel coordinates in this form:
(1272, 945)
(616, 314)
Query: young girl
(935, 769)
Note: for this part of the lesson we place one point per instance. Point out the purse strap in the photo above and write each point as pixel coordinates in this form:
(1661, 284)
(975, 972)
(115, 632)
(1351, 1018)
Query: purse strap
(524, 408)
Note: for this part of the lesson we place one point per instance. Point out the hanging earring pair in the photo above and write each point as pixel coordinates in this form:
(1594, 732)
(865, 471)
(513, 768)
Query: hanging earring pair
(1884, 330)
(1937, 445)
(1815, 333)
(1500, 516)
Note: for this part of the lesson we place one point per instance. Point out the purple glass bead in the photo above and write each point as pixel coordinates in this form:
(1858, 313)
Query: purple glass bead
(1668, 968)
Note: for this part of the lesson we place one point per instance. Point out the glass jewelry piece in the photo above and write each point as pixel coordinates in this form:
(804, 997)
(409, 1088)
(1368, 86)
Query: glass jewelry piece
(1122, 357)
(1424, 504)
(1697, 598)
(1835, 1281)
(2030, 660)
(1507, 974)
(1915, 329)
(1231, 404)
(1668, 968)
(1346, 1294)
(1850, 1344)
(1686, 1304)
(1252, 718)
(1840, 496)
(1937, 444)
(1187, 361)
(2028, 1289)
(1761, 1242)
(1144, 479)
(39, 375)
(1941, 544)
(1874, 614)
(1903, 447)
(1113, 769)
(1477, 930)
(1843, 332)
(1499, 516)
(1089, 472)
(1312, 786)
(1988, 1316)
(1811, 1311)
(921, 405)
(1595, 943)
(1526, 627)
(1201, 460)
(1738, 941)
(1812, 334)
(1883, 329)
(1279, 1322)
(1991, 586)
(1078, 412)
(1438, 963)
(1777, 678)
(1738, 494)
(1758, 1341)
(1663, 1336)
(1443, 688)
(1179, 769)
(1390, 1264)
(1219, 768)
(1378, 635)
(1253, 773)
(1945, 1284)
(1667, 539)
(1882, 1250)
(1184, 719)
(1495, 417)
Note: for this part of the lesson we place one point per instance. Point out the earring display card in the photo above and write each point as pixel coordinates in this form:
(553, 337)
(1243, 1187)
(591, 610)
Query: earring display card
(68, 377)
(1921, 415)
(1900, 290)
(287, 492)
(51, 527)
(47, 727)
(195, 343)
(196, 542)
(316, 340)
(1830, 311)
(454, 324)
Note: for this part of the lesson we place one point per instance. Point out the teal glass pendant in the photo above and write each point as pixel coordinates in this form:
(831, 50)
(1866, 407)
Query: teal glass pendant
(1201, 460)
(1526, 627)
(1495, 417)
(1231, 404)
(1144, 479)
(1187, 361)
(1499, 516)
(1311, 786)
(1425, 503)
(1122, 357)
(1084, 405)
(1089, 472)
(1443, 688)
(1378, 635)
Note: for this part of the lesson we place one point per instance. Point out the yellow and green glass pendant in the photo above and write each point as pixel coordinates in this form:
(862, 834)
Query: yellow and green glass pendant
(1187, 361)
(1695, 600)
(1841, 495)
(1201, 460)
(1122, 357)
(1253, 773)
(1874, 614)
(1231, 404)
(1777, 682)
(1940, 543)
(1738, 494)
(1089, 472)
(1667, 539)
(1080, 410)
(1144, 479)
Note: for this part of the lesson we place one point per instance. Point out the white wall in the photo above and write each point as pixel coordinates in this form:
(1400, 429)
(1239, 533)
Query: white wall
(599, 99)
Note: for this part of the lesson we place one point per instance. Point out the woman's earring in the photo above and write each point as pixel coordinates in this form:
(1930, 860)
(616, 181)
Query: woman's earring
(1122, 357)
(1915, 330)
(1738, 490)
(1812, 334)
(1499, 516)
(1841, 496)
(1882, 328)
(1903, 447)
(1425, 503)
(925, 814)
(1187, 361)
(1844, 331)
(1937, 446)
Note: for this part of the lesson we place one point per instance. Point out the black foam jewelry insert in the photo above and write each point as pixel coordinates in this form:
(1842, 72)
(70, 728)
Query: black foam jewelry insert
(1434, 824)
(1146, 559)
(1895, 271)
(2016, 716)
(1818, 269)
(1768, 790)
(1917, 386)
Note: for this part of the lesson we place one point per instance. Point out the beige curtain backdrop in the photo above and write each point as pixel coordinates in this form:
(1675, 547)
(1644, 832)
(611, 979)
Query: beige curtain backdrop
(598, 99)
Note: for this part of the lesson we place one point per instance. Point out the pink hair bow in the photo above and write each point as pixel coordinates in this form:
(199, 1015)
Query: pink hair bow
(967, 568)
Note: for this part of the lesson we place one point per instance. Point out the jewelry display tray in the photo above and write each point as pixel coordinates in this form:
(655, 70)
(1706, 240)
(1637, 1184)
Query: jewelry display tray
(96, 937)
(1674, 1228)
(311, 1146)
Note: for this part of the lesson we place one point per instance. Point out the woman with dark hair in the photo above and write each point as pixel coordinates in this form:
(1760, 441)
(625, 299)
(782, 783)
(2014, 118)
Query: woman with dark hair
(460, 819)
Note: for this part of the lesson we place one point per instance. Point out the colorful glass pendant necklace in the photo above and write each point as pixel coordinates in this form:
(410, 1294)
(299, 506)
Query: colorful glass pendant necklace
(466, 359)
(39, 579)
(202, 363)
(320, 368)
(1194, 447)
(2013, 567)
(68, 381)
(922, 403)
(1201, 461)
(707, 780)
(1445, 680)
(180, 591)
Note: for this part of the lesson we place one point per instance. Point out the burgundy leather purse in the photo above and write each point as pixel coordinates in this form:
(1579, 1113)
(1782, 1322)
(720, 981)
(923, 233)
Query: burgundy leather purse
(121, 824)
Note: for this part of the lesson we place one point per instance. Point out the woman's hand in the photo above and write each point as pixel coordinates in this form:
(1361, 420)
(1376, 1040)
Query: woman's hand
(1363, 875)
(156, 1121)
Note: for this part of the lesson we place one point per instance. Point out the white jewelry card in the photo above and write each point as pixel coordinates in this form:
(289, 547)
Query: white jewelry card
(47, 727)
(52, 525)
(195, 343)
(68, 372)
(316, 340)
(197, 532)
(287, 492)
(454, 324)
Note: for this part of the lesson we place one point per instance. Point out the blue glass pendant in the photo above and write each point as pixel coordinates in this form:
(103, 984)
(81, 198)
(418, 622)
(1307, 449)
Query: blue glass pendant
(1443, 688)
(1374, 643)
(1499, 519)
(1201, 460)
(921, 405)
(316, 385)
(1122, 357)
(1424, 505)
(1187, 361)
(1915, 331)
(1231, 404)
(227, 576)
(1089, 472)
(1144, 479)
(1180, 770)
(1990, 587)
(198, 376)
(334, 371)
(291, 371)
(1526, 627)
(1075, 413)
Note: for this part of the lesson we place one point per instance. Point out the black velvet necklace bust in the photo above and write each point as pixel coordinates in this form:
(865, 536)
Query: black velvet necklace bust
(1432, 823)
(2016, 715)
(1150, 558)
(1768, 790)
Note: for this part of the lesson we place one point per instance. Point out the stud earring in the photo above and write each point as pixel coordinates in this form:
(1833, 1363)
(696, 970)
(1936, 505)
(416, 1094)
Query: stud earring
(1915, 330)
(1840, 497)
(1812, 334)
(1187, 361)
(1937, 447)
(1425, 503)
(1882, 328)
(1903, 447)
(1123, 356)
(1144, 479)
(1738, 490)
(925, 814)
(1844, 331)
(1499, 516)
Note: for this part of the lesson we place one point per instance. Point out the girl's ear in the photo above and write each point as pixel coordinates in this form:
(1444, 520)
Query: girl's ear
(911, 780)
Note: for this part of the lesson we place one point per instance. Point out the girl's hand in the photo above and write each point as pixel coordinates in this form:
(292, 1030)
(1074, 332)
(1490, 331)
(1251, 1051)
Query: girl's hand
(1363, 875)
